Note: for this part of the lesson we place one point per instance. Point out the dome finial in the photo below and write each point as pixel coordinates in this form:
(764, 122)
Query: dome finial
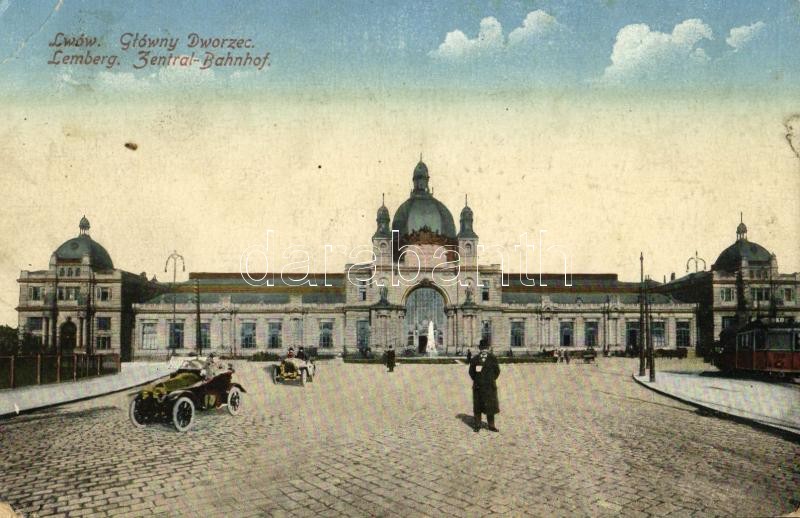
(741, 230)
(84, 226)
(420, 177)
(466, 200)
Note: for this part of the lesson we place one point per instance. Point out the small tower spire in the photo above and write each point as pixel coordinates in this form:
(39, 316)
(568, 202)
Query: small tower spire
(741, 230)
(84, 226)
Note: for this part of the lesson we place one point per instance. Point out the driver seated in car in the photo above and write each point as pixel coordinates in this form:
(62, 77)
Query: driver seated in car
(291, 363)
(211, 367)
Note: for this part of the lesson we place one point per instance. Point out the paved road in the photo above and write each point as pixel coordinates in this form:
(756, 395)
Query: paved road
(574, 439)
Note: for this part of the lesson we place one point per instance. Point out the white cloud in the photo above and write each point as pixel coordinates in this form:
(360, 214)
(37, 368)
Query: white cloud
(536, 24)
(491, 40)
(457, 45)
(741, 36)
(641, 53)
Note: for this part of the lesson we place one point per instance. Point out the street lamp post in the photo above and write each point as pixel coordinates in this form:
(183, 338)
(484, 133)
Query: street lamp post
(696, 260)
(174, 257)
(605, 325)
(651, 345)
(90, 303)
(198, 327)
(641, 315)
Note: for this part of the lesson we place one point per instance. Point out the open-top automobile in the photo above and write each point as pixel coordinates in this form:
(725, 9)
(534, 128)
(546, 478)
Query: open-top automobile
(294, 369)
(199, 384)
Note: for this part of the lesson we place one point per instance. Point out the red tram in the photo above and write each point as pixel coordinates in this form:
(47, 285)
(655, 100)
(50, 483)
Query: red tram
(771, 347)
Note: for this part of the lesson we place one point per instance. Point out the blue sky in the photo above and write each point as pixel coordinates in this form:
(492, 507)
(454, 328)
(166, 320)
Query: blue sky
(367, 45)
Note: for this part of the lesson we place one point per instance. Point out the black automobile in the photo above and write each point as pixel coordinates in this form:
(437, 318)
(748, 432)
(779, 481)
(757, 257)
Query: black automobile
(199, 384)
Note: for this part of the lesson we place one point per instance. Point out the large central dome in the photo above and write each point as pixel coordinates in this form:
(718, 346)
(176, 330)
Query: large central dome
(421, 213)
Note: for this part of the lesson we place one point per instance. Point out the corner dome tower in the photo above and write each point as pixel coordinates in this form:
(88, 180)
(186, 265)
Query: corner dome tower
(422, 219)
(383, 220)
(74, 250)
(731, 258)
(466, 230)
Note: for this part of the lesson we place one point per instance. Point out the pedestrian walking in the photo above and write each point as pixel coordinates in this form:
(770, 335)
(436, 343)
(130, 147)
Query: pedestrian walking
(390, 357)
(484, 370)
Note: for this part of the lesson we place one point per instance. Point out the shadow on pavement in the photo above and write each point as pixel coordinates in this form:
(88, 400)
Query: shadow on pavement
(469, 420)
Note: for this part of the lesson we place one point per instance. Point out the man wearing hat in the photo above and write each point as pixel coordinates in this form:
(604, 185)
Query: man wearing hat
(390, 358)
(484, 370)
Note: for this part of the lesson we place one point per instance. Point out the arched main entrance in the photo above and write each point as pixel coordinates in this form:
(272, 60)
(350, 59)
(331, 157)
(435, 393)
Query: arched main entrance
(68, 336)
(425, 306)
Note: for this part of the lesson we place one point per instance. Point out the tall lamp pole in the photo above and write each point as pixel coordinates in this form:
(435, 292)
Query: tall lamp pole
(651, 346)
(605, 326)
(641, 315)
(696, 260)
(197, 329)
(174, 257)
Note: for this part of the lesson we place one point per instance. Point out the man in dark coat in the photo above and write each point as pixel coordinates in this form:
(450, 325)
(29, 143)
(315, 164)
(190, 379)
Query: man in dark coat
(390, 358)
(484, 370)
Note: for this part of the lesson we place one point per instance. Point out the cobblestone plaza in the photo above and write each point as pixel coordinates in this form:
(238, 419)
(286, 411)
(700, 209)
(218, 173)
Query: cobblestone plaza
(574, 440)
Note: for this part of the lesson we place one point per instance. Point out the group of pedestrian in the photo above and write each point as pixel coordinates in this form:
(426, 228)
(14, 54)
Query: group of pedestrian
(562, 355)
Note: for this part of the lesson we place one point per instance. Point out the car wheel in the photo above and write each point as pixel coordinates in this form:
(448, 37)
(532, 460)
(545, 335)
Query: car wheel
(234, 400)
(183, 414)
(135, 413)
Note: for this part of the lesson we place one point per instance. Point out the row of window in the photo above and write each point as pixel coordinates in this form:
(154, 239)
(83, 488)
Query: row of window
(247, 335)
(756, 294)
(590, 333)
(362, 291)
(68, 293)
(69, 272)
(35, 324)
(780, 340)
(102, 328)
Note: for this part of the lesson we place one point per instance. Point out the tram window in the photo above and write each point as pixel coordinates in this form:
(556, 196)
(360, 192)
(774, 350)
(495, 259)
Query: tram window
(760, 340)
(781, 341)
(797, 341)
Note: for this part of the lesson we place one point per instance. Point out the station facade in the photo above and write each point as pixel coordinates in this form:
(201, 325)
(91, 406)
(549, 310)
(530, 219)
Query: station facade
(426, 291)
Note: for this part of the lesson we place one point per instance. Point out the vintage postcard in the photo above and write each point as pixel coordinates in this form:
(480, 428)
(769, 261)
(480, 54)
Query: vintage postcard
(411, 258)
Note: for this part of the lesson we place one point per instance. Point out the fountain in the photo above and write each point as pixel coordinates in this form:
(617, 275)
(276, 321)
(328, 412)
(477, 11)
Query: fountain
(431, 339)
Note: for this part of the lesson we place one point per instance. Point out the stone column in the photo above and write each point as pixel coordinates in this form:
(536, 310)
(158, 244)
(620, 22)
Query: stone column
(46, 337)
(671, 332)
(81, 334)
